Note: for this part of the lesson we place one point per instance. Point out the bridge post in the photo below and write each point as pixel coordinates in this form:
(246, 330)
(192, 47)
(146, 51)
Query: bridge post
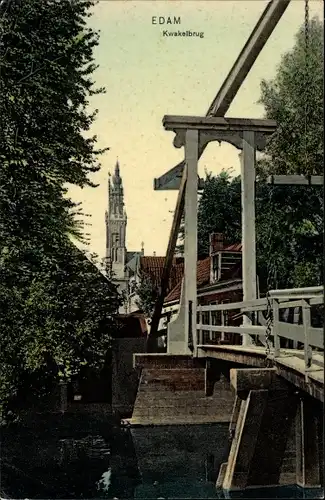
(308, 443)
(264, 418)
(247, 158)
(190, 239)
(181, 333)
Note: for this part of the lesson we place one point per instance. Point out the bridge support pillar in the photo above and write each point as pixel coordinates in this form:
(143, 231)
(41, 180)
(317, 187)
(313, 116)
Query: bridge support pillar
(247, 158)
(265, 415)
(181, 333)
(309, 443)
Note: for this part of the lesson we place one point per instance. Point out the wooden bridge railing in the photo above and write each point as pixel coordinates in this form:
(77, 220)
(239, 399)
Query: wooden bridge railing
(306, 332)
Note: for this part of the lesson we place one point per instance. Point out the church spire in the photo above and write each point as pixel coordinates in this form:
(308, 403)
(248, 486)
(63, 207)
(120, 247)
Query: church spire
(117, 180)
(116, 193)
(117, 168)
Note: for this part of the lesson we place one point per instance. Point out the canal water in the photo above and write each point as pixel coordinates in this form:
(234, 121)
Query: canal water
(102, 461)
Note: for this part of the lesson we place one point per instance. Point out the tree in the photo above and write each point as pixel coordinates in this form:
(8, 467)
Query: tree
(58, 310)
(147, 295)
(219, 211)
(294, 98)
(290, 221)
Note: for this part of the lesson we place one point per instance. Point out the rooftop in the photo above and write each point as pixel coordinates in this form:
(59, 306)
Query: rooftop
(153, 267)
(204, 271)
(203, 278)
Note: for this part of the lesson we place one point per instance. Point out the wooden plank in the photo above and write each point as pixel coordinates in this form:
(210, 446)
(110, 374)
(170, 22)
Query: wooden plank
(169, 255)
(316, 301)
(249, 330)
(248, 305)
(296, 332)
(316, 337)
(258, 304)
(291, 332)
(173, 122)
(305, 180)
(288, 304)
(298, 293)
(262, 307)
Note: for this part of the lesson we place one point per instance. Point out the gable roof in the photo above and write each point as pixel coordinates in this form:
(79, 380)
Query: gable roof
(202, 278)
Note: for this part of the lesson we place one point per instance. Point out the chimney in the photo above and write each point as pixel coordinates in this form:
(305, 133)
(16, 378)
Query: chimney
(154, 254)
(216, 243)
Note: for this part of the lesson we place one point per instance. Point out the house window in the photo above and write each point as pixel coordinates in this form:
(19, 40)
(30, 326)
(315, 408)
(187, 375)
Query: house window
(216, 267)
(115, 237)
(215, 262)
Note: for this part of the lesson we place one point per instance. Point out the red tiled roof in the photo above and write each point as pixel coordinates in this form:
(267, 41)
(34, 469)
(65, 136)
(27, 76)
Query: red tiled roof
(237, 247)
(153, 268)
(203, 273)
(203, 278)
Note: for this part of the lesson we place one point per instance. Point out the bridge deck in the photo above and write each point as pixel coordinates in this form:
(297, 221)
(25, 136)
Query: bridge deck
(290, 364)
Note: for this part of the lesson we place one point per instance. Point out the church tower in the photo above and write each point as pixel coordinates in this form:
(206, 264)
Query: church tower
(116, 221)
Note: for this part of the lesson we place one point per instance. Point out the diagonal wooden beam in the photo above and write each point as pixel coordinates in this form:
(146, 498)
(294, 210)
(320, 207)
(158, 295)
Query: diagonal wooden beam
(247, 57)
(235, 78)
(169, 256)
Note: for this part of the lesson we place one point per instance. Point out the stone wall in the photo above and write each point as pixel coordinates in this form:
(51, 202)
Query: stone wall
(125, 378)
(176, 395)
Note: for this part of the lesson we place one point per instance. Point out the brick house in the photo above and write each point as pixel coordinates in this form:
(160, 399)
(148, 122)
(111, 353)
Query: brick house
(219, 280)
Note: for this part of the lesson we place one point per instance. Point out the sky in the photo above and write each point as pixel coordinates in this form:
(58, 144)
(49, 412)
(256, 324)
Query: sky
(148, 75)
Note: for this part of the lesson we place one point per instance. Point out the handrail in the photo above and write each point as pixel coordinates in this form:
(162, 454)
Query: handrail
(249, 304)
(297, 292)
(305, 334)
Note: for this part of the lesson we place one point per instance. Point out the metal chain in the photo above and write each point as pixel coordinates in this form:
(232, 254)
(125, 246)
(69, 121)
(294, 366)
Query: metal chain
(306, 28)
(271, 276)
(270, 280)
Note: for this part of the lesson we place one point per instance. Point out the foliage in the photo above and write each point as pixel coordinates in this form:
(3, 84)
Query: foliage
(289, 219)
(57, 308)
(288, 235)
(294, 98)
(219, 211)
(147, 295)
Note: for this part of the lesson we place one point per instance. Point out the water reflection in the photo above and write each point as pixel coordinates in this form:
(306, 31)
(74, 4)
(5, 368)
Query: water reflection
(179, 461)
(148, 463)
(104, 484)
